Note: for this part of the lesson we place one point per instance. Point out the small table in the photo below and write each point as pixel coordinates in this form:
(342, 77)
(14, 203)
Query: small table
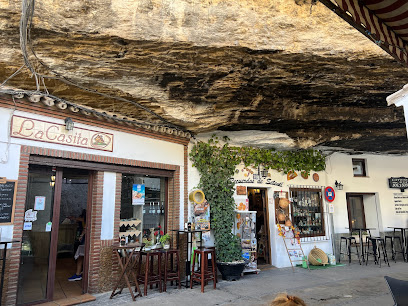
(403, 237)
(5, 243)
(124, 254)
(189, 249)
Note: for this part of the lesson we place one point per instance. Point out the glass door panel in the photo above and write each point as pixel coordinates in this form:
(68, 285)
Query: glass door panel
(36, 239)
(356, 212)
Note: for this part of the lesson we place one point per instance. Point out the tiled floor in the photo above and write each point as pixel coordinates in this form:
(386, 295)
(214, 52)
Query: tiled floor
(33, 288)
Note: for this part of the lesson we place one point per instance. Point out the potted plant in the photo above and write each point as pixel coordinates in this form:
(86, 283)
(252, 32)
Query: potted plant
(148, 244)
(165, 241)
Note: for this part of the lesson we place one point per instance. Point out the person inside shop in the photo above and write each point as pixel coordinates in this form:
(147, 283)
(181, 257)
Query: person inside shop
(283, 299)
(80, 252)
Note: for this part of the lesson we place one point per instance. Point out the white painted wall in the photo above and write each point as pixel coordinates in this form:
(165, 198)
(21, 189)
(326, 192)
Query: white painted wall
(125, 145)
(108, 205)
(379, 169)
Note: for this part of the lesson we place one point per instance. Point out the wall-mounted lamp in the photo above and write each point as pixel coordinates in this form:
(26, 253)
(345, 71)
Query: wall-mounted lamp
(52, 183)
(69, 124)
(338, 185)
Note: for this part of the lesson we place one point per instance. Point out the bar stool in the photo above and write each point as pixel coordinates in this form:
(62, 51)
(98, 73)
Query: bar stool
(171, 273)
(149, 277)
(393, 251)
(378, 245)
(349, 241)
(203, 275)
(209, 261)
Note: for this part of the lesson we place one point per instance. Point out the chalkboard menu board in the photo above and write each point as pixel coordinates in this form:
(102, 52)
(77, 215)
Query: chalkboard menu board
(7, 201)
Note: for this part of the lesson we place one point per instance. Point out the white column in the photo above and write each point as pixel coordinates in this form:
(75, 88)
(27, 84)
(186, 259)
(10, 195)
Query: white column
(400, 98)
(108, 206)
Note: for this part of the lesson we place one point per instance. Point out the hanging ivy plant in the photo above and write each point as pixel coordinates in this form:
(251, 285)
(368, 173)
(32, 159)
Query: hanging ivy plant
(216, 162)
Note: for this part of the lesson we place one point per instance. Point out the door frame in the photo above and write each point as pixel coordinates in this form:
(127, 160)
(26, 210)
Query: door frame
(265, 209)
(266, 222)
(360, 195)
(52, 261)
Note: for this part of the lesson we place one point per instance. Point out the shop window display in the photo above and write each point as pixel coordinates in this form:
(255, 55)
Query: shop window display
(307, 211)
(143, 208)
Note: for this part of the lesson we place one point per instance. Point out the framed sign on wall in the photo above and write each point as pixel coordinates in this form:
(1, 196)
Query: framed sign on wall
(7, 200)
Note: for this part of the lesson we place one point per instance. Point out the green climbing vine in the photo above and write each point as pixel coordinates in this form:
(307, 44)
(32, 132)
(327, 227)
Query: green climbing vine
(216, 162)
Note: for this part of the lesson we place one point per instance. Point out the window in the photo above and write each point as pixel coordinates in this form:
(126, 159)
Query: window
(359, 167)
(307, 211)
(143, 207)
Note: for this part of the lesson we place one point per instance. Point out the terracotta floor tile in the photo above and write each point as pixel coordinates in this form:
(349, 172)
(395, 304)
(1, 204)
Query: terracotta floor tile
(67, 302)
(86, 298)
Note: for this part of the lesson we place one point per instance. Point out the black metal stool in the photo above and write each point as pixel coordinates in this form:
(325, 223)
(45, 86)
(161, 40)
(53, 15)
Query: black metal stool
(393, 251)
(378, 245)
(349, 241)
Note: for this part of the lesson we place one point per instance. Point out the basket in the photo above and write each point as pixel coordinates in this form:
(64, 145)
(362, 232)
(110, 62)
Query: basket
(283, 203)
(318, 257)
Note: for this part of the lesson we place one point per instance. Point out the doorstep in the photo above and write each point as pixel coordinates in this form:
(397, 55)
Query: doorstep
(71, 301)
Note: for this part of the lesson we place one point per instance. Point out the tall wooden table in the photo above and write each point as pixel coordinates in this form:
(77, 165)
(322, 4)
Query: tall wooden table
(124, 255)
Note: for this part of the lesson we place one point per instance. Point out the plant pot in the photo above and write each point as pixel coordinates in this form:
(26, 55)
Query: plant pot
(231, 271)
(166, 246)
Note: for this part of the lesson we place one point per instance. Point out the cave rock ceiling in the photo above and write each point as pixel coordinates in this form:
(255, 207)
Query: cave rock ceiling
(282, 66)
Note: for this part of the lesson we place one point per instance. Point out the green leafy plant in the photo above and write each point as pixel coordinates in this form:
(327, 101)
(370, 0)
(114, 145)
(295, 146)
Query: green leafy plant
(165, 239)
(216, 162)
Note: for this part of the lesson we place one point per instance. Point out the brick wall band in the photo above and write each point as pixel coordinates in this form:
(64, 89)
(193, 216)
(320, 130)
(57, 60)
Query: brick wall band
(103, 268)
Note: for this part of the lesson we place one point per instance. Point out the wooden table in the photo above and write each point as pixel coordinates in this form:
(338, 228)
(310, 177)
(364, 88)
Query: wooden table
(403, 231)
(5, 243)
(124, 255)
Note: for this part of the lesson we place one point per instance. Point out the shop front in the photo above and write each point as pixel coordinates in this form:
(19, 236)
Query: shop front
(77, 192)
(260, 191)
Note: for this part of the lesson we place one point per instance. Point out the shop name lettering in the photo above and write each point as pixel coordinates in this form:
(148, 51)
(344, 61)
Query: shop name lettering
(51, 132)
(27, 126)
(268, 181)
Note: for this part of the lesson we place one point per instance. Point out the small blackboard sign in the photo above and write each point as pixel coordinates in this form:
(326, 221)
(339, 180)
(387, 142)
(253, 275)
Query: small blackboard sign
(398, 182)
(7, 201)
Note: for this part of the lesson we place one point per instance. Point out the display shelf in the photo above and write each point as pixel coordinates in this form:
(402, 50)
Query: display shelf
(130, 222)
(245, 228)
(131, 233)
(307, 211)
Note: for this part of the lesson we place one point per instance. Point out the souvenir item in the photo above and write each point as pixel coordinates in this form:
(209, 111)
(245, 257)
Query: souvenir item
(291, 175)
(283, 203)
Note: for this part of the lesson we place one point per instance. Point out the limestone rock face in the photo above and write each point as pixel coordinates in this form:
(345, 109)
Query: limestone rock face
(272, 65)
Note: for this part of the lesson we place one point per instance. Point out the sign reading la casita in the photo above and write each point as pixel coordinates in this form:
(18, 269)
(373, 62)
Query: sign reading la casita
(33, 129)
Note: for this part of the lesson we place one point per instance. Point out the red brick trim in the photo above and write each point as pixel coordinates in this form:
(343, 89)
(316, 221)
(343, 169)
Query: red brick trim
(15, 253)
(96, 225)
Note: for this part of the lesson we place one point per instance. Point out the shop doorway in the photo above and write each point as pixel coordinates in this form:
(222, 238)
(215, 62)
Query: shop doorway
(363, 211)
(55, 231)
(257, 198)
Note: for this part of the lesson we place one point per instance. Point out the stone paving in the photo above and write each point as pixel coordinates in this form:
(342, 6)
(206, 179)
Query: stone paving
(345, 285)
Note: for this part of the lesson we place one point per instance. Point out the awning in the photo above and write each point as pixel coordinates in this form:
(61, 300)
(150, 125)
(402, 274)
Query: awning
(385, 22)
